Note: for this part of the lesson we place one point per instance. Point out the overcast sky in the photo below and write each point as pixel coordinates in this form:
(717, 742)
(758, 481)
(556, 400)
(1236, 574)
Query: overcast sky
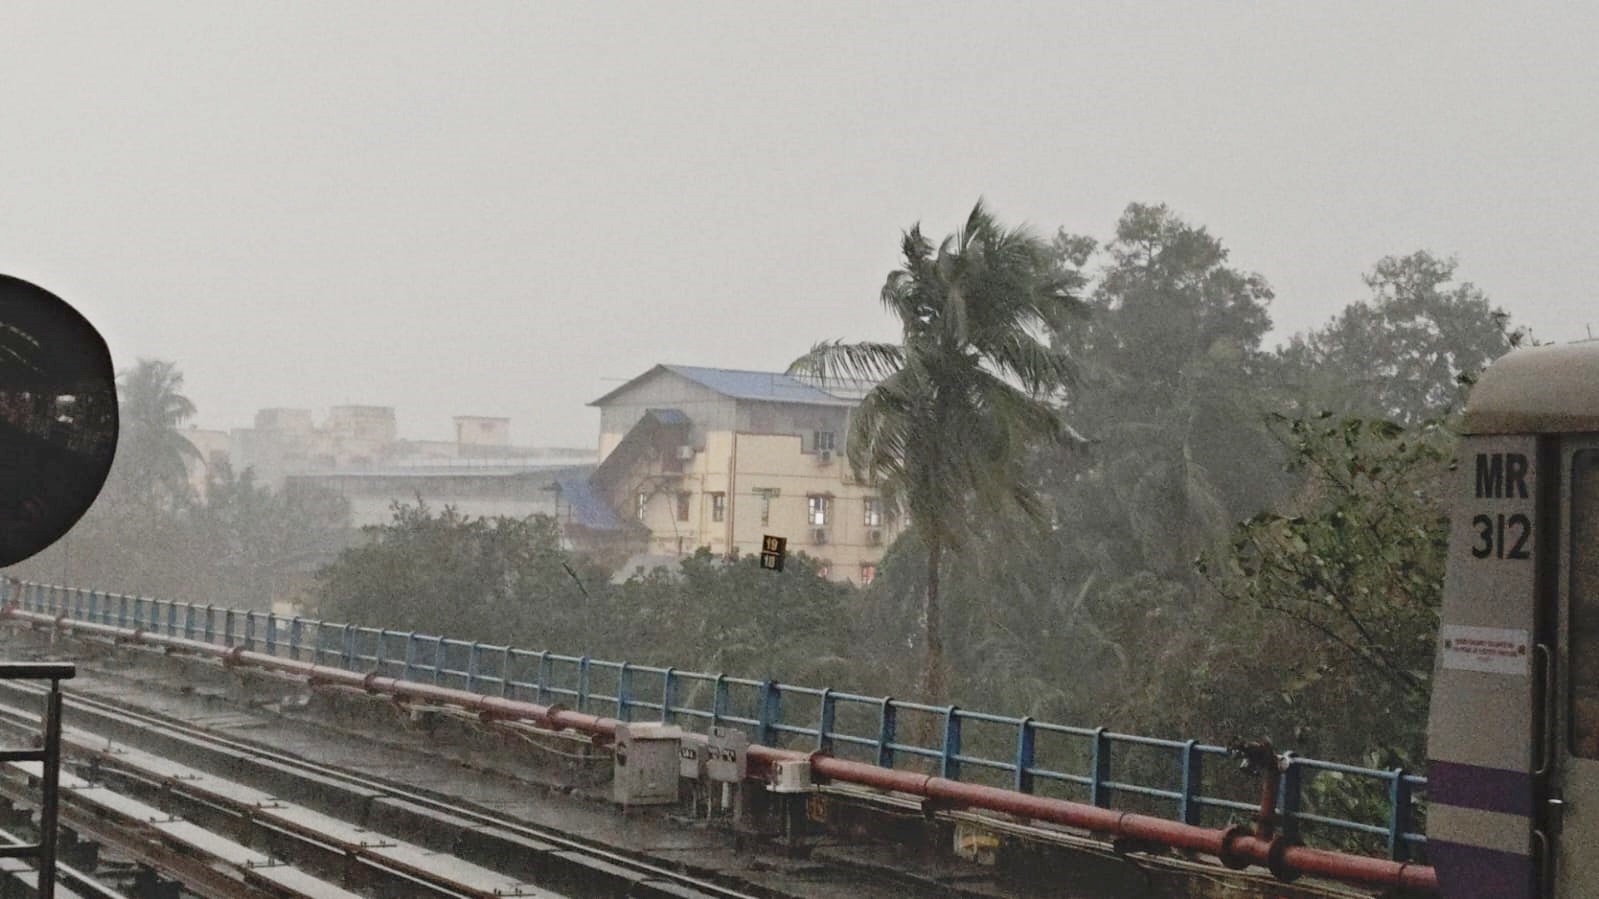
(506, 208)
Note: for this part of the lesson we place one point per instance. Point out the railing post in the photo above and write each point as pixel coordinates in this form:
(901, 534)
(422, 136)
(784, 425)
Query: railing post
(410, 655)
(1098, 793)
(439, 659)
(668, 694)
(825, 721)
(122, 610)
(94, 604)
(271, 634)
(543, 675)
(1026, 738)
(1189, 807)
(296, 634)
(582, 704)
(949, 762)
(767, 713)
(505, 671)
(474, 660)
(382, 650)
(347, 641)
(1399, 817)
(249, 630)
(885, 733)
(624, 693)
(188, 620)
(210, 627)
(1289, 795)
(719, 700)
(227, 626)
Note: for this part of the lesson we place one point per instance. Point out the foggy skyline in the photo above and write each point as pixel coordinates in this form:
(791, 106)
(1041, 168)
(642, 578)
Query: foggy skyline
(502, 209)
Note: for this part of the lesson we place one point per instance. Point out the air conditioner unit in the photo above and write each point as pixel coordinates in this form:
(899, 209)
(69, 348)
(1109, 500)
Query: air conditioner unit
(819, 536)
(874, 538)
(685, 453)
(824, 457)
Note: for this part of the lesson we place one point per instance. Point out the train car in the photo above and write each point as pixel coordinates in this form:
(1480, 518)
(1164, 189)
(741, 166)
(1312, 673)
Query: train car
(1513, 735)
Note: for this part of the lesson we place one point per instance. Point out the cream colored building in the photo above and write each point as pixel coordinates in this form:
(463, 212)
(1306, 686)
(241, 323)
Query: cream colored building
(704, 457)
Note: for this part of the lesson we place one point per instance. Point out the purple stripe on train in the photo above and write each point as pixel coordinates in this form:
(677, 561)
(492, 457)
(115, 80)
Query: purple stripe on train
(1472, 872)
(1476, 787)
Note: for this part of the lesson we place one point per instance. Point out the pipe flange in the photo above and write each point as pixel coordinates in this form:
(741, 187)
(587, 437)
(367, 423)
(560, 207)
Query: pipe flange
(1275, 862)
(1226, 854)
(368, 682)
(547, 720)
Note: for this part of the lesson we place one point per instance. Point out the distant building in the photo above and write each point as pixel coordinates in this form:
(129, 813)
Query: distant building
(356, 453)
(705, 457)
(213, 449)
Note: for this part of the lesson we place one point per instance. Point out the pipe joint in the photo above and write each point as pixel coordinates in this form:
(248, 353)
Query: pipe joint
(1227, 854)
(1276, 861)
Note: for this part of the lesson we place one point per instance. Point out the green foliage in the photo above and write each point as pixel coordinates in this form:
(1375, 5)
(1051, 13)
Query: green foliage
(1409, 353)
(964, 397)
(729, 615)
(1357, 564)
(507, 580)
(151, 467)
(445, 573)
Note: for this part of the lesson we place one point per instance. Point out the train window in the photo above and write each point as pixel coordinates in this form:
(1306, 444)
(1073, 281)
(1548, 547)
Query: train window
(1583, 658)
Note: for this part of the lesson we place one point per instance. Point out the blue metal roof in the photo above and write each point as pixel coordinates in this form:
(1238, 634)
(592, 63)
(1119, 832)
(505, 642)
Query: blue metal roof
(755, 385)
(589, 507)
(770, 386)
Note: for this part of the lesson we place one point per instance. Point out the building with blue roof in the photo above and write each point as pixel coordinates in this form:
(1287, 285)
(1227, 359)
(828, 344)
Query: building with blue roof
(695, 457)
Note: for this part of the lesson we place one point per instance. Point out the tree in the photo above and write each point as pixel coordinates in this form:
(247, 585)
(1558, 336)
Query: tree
(1171, 398)
(946, 431)
(494, 579)
(253, 545)
(1355, 567)
(153, 456)
(1408, 353)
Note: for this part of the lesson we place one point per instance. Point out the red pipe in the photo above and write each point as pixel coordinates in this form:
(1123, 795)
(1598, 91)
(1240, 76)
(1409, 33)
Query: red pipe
(1232, 846)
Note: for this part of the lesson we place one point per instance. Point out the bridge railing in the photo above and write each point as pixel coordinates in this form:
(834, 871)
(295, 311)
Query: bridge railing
(1346, 806)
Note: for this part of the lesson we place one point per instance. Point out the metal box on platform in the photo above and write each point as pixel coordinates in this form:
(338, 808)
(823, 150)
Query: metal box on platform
(647, 764)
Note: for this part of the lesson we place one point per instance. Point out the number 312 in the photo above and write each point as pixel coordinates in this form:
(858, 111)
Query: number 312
(1491, 535)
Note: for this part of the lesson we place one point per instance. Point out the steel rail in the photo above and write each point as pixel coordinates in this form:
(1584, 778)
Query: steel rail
(76, 880)
(218, 876)
(650, 873)
(1235, 847)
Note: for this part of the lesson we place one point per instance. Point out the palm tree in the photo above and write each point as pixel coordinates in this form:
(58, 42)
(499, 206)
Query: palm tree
(154, 455)
(961, 399)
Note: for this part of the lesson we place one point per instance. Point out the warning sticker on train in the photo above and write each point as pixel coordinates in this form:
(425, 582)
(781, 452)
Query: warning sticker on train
(1492, 650)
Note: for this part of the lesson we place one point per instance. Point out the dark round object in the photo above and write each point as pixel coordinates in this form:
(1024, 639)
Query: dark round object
(58, 417)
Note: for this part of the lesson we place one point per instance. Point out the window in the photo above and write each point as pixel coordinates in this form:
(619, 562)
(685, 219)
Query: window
(816, 512)
(874, 512)
(718, 507)
(766, 494)
(682, 506)
(822, 441)
(643, 504)
(868, 572)
(1584, 649)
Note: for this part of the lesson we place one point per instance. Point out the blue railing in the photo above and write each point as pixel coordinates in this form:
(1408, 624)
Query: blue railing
(1176, 778)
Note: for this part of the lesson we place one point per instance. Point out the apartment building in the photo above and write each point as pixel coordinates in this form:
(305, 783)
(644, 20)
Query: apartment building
(708, 457)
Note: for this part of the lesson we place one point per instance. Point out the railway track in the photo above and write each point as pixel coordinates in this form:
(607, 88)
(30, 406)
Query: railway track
(345, 834)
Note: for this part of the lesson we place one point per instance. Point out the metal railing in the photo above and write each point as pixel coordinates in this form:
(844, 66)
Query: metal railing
(1186, 780)
(48, 755)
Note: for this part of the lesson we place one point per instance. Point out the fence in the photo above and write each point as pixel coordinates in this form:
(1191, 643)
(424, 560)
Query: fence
(1352, 807)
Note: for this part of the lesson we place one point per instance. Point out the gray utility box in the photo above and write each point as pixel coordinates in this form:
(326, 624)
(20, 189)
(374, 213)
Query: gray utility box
(647, 764)
(727, 755)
